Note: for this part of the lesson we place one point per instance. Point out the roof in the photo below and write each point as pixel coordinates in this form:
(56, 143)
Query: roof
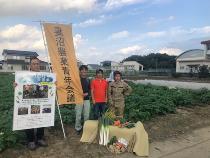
(205, 42)
(192, 53)
(19, 53)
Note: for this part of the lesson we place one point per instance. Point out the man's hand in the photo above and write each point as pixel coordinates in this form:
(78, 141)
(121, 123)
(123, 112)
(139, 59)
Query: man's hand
(106, 100)
(94, 102)
(14, 84)
(85, 94)
(110, 103)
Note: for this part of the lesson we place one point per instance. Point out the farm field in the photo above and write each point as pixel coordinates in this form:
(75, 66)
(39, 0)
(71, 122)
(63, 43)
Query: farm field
(166, 113)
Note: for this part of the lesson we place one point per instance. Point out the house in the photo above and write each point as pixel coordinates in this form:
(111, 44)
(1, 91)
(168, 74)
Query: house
(115, 66)
(106, 63)
(94, 67)
(15, 60)
(190, 60)
(126, 66)
(133, 66)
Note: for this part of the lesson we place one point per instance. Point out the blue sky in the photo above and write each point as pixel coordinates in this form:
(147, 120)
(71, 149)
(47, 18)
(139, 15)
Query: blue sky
(108, 29)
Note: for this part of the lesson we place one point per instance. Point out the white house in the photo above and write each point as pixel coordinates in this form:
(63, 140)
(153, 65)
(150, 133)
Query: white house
(94, 67)
(190, 60)
(133, 65)
(15, 60)
(117, 66)
(126, 66)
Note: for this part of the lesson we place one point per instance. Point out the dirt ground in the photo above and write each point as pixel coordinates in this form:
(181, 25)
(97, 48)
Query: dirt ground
(170, 128)
(193, 145)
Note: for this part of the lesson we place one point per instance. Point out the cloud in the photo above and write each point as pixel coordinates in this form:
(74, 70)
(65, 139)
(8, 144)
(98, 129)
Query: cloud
(171, 18)
(23, 37)
(203, 30)
(92, 55)
(177, 33)
(19, 31)
(90, 22)
(154, 21)
(26, 37)
(111, 4)
(78, 40)
(93, 21)
(161, 1)
(156, 34)
(186, 44)
(170, 51)
(92, 49)
(132, 49)
(118, 35)
(197, 31)
(32, 7)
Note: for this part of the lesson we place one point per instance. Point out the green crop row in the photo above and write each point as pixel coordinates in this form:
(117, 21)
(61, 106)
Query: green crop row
(145, 102)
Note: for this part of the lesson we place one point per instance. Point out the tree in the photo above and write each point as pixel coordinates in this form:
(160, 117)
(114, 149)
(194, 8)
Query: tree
(154, 60)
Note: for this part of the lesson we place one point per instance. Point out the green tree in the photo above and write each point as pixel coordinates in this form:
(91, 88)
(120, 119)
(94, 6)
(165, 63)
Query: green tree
(154, 60)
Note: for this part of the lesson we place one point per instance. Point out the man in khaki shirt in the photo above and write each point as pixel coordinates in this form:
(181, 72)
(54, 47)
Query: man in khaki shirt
(117, 91)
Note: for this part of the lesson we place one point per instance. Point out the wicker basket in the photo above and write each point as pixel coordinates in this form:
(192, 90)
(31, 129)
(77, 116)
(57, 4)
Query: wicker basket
(108, 148)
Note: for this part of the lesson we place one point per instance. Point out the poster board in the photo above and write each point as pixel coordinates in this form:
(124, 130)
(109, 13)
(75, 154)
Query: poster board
(34, 100)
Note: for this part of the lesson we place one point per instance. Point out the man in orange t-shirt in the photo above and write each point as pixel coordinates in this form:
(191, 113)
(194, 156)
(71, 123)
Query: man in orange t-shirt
(99, 94)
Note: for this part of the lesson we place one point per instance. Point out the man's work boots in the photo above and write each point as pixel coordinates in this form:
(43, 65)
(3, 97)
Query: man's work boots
(42, 143)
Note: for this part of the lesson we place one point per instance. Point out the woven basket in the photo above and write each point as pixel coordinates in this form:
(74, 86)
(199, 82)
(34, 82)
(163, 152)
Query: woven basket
(115, 152)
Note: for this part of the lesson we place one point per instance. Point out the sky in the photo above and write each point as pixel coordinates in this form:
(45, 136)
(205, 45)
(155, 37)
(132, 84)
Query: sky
(108, 29)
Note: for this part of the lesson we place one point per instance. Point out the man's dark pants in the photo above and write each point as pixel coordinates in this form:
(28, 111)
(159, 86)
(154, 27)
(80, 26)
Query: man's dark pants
(31, 137)
(99, 109)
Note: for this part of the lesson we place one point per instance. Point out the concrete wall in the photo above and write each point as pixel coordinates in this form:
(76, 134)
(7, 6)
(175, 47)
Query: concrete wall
(126, 66)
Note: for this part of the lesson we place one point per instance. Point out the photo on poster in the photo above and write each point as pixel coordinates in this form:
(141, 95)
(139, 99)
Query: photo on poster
(22, 110)
(35, 91)
(46, 108)
(35, 109)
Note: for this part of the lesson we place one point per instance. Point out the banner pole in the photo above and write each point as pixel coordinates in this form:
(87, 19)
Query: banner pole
(56, 97)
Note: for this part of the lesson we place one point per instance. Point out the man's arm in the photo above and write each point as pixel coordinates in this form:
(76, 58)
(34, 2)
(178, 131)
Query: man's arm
(106, 99)
(89, 87)
(92, 92)
(127, 89)
(110, 94)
